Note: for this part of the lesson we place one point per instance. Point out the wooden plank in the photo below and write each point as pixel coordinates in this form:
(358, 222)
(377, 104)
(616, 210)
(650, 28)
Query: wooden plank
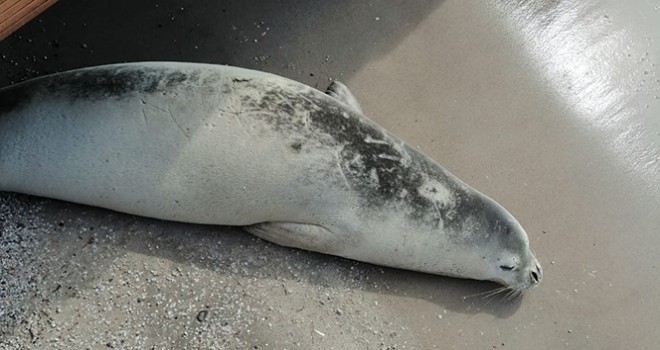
(15, 13)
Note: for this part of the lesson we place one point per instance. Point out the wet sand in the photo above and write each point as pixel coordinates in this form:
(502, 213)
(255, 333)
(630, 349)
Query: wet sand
(550, 107)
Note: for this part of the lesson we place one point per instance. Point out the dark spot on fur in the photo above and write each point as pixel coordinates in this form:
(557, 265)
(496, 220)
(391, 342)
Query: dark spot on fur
(175, 78)
(363, 163)
(117, 82)
(375, 170)
(296, 146)
(372, 160)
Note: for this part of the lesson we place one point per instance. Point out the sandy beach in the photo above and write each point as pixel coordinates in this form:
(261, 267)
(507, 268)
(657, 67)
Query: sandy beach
(550, 107)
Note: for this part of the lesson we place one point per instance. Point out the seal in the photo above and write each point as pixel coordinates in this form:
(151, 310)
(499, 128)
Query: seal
(221, 145)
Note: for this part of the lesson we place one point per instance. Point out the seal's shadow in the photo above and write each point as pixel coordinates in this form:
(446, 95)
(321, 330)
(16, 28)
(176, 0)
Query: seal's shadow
(309, 41)
(84, 241)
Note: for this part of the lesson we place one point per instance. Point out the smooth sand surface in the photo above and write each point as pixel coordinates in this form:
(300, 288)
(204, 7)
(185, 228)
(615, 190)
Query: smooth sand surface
(550, 107)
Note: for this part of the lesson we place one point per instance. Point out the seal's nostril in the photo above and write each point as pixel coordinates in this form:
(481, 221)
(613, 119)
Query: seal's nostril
(535, 277)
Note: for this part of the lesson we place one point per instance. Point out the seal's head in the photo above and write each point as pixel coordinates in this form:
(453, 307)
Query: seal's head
(504, 247)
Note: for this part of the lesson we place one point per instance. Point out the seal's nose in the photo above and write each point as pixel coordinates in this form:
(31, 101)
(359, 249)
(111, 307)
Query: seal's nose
(536, 274)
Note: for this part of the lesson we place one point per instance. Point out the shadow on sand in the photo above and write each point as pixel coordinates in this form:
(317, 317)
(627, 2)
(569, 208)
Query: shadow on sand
(84, 241)
(309, 41)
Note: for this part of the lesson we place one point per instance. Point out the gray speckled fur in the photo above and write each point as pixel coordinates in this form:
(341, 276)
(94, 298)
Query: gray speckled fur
(223, 145)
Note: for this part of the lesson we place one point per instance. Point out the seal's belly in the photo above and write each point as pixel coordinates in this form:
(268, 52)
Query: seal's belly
(197, 152)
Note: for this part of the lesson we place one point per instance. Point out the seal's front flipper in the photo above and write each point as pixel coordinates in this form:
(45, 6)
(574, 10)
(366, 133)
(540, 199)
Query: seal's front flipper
(303, 236)
(343, 94)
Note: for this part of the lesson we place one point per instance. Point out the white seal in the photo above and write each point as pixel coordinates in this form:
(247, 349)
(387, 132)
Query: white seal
(221, 145)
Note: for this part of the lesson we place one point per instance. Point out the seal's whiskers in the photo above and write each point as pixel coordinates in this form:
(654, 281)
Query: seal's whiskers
(488, 293)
